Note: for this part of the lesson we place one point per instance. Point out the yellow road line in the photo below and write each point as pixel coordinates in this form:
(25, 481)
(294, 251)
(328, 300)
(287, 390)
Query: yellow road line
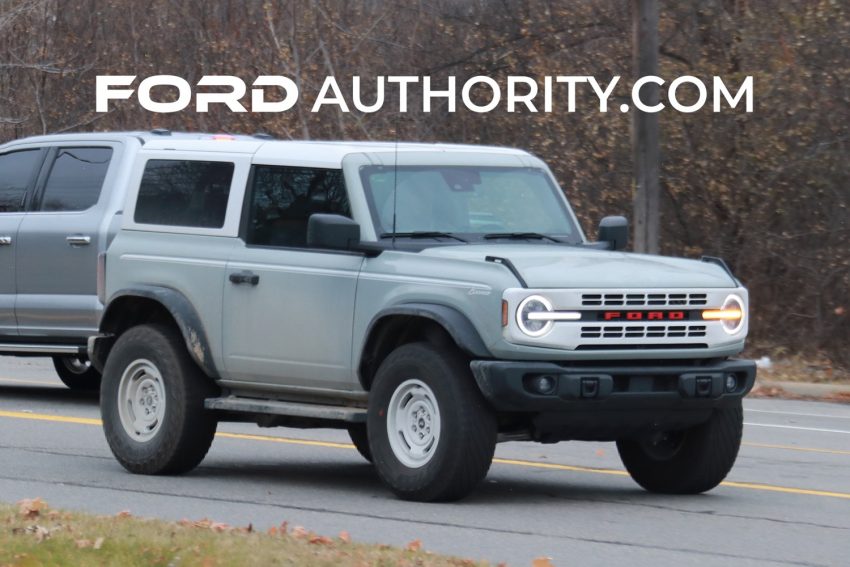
(512, 462)
(558, 467)
(48, 417)
(795, 448)
(287, 440)
(785, 489)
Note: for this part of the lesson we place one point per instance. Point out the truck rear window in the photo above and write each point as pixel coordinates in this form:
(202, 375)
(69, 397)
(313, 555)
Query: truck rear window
(184, 193)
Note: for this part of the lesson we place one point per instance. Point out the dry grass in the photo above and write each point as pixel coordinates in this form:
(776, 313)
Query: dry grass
(33, 535)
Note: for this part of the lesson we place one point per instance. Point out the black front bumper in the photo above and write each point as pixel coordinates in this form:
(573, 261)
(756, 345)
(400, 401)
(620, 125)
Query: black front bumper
(609, 401)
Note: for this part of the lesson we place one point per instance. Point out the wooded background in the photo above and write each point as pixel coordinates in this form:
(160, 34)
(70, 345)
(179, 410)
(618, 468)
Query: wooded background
(767, 191)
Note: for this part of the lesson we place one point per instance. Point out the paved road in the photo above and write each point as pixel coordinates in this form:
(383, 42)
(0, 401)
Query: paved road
(787, 501)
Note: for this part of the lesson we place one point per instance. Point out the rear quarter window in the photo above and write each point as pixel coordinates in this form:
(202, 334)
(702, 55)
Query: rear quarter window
(184, 193)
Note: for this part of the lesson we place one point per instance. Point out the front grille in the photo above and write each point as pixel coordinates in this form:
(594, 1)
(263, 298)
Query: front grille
(642, 331)
(643, 299)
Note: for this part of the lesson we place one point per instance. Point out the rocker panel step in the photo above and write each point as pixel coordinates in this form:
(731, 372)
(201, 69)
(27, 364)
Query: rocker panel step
(294, 409)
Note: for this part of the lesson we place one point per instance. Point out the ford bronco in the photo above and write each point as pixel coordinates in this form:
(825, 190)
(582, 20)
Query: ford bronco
(431, 299)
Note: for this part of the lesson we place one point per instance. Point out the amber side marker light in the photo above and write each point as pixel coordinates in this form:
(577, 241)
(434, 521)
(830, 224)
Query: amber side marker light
(504, 313)
(722, 314)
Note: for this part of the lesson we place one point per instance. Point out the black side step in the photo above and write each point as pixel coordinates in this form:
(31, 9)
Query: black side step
(294, 409)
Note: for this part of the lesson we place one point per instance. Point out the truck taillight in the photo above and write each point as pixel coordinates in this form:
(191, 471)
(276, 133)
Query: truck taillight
(101, 277)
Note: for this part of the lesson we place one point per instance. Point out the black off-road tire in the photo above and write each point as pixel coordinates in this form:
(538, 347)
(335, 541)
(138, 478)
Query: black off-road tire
(464, 449)
(360, 439)
(698, 460)
(187, 429)
(76, 373)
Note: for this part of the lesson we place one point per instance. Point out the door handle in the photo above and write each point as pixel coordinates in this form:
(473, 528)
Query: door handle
(245, 278)
(5, 240)
(78, 240)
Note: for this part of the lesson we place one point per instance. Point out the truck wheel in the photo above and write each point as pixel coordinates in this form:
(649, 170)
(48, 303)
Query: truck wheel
(686, 462)
(360, 439)
(431, 432)
(152, 403)
(77, 373)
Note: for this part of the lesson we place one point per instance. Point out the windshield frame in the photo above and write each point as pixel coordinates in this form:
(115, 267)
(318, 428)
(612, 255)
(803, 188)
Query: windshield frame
(575, 237)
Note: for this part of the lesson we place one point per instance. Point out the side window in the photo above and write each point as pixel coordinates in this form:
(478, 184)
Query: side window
(76, 178)
(283, 198)
(184, 193)
(16, 173)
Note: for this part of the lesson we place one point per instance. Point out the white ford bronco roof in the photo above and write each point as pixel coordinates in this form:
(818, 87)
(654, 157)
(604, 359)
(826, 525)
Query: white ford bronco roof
(315, 153)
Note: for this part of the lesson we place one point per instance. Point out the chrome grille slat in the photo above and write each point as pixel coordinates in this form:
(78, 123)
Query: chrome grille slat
(671, 299)
(642, 331)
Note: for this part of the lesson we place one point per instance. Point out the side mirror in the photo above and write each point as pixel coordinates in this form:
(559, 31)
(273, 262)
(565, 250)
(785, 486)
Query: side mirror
(614, 231)
(332, 232)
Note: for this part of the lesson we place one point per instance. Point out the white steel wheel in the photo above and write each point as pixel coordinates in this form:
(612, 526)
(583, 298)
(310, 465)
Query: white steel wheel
(413, 423)
(141, 400)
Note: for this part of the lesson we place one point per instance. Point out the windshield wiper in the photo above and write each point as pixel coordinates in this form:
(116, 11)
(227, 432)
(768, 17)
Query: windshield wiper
(522, 236)
(422, 234)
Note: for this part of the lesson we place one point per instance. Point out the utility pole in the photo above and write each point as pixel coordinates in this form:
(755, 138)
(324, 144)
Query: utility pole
(645, 129)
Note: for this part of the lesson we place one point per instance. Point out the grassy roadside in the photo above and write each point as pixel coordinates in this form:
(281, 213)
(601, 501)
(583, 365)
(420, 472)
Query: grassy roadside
(31, 534)
(814, 369)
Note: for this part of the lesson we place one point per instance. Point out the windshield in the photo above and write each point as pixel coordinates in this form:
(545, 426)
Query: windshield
(468, 201)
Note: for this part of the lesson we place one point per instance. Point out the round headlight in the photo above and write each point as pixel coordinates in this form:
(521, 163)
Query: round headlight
(732, 324)
(528, 325)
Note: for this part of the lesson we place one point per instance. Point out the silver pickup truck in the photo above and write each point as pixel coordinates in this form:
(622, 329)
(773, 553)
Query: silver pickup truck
(431, 299)
(59, 196)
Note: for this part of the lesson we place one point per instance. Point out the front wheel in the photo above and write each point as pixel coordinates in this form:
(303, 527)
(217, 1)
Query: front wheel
(689, 461)
(431, 433)
(152, 403)
(77, 373)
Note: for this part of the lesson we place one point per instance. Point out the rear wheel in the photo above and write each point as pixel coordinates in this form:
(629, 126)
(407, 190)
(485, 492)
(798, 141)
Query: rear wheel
(689, 461)
(152, 403)
(77, 373)
(431, 433)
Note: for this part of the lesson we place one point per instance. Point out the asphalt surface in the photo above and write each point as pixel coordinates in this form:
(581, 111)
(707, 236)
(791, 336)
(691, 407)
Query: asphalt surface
(786, 502)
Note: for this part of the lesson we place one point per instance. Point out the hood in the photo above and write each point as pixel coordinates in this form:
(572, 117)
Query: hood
(554, 266)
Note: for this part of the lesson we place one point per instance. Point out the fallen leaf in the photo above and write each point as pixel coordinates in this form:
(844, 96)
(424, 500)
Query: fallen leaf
(299, 533)
(31, 507)
(321, 540)
(98, 543)
(41, 533)
(83, 543)
(414, 545)
(123, 514)
(542, 562)
(344, 536)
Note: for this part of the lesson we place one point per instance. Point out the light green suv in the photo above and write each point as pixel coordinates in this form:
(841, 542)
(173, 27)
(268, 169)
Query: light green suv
(430, 299)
